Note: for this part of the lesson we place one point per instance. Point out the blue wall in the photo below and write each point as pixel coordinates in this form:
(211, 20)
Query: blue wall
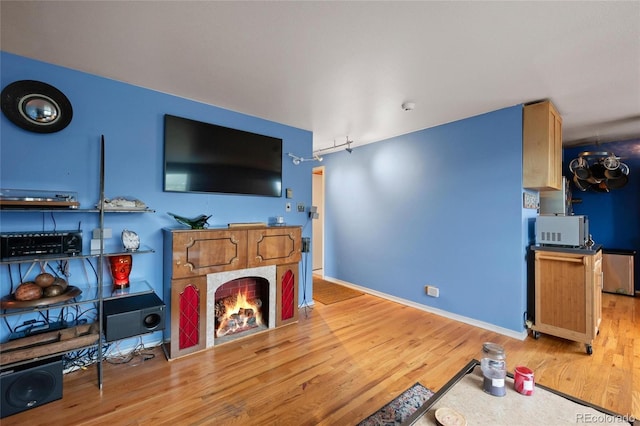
(614, 217)
(442, 206)
(131, 119)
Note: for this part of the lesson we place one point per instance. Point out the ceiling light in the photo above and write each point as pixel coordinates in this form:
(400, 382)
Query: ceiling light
(347, 144)
(297, 160)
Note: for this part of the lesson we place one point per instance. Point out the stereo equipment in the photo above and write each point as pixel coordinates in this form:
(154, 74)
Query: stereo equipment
(30, 385)
(33, 327)
(13, 244)
(131, 316)
(37, 199)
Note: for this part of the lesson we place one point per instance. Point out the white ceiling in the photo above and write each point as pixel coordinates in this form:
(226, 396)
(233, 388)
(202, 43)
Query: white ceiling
(343, 69)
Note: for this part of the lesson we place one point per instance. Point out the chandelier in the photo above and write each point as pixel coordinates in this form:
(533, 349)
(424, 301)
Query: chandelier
(598, 171)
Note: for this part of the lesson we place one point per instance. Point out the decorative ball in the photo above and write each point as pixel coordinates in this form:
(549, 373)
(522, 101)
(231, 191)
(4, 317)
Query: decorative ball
(61, 282)
(44, 279)
(53, 290)
(28, 291)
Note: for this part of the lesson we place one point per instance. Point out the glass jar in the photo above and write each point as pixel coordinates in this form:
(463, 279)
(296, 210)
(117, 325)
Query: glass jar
(493, 363)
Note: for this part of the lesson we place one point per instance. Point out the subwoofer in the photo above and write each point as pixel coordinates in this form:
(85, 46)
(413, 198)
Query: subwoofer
(130, 316)
(30, 385)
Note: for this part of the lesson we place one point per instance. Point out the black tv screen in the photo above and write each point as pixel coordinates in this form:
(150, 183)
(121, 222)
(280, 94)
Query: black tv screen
(202, 157)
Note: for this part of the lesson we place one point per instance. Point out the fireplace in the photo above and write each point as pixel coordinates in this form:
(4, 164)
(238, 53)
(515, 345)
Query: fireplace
(238, 308)
(198, 263)
(243, 317)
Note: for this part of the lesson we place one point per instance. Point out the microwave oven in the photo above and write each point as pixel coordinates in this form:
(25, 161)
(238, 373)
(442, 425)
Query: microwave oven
(568, 231)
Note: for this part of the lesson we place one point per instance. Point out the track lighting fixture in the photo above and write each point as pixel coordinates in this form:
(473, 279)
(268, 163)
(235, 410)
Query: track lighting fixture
(297, 160)
(347, 144)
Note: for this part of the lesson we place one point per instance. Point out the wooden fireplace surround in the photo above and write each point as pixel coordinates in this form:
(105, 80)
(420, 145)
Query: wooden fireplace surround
(190, 255)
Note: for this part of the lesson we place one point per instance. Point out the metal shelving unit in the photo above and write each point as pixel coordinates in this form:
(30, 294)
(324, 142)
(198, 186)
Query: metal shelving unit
(88, 293)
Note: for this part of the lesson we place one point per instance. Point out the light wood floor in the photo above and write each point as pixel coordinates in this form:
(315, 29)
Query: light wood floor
(340, 363)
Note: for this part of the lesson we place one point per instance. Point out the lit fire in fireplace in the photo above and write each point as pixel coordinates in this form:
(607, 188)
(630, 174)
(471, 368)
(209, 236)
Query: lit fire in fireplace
(235, 314)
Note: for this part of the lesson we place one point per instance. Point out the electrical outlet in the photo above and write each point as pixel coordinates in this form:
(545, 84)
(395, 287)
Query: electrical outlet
(300, 207)
(287, 207)
(432, 291)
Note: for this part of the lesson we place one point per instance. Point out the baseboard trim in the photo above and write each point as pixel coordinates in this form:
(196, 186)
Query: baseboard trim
(471, 321)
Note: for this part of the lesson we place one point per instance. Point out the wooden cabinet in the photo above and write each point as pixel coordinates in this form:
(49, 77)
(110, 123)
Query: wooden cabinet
(568, 294)
(207, 251)
(188, 315)
(273, 246)
(191, 255)
(287, 294)
(542, 147)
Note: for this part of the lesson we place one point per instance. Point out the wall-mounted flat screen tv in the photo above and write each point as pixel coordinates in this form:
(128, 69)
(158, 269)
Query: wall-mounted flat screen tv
(202, 157)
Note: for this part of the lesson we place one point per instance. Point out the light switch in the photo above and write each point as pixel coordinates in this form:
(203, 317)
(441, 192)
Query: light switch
(289, 193)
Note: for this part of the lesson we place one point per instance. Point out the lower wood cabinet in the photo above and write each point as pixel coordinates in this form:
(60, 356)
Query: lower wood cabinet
(568, 294)
(287, 294)
(188, 315)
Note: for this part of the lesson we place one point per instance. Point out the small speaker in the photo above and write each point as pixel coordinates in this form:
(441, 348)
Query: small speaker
(30, 385)
(131, 316)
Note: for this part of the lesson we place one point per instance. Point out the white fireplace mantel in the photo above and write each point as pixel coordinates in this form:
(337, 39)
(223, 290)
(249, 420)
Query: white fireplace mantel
(215, 281)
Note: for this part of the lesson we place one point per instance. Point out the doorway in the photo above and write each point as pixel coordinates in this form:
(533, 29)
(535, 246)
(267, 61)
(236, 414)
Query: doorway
(317, 231)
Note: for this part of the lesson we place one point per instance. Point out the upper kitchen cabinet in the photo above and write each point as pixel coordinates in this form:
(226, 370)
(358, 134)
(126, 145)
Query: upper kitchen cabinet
(542, 147)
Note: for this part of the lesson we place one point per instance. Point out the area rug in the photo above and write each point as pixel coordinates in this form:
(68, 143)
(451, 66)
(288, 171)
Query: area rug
(400, 408)
(328, 293)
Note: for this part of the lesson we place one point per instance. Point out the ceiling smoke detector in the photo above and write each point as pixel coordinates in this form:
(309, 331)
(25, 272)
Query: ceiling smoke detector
(408, 106)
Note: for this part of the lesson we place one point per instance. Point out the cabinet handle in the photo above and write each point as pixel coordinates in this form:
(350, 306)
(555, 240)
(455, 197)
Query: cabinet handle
(562, 259)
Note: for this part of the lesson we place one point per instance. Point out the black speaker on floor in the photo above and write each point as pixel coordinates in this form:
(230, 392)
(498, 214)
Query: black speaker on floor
(30, 385)
(131, 316)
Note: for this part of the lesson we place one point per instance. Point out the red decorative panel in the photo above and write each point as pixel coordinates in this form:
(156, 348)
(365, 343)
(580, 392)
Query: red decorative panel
(288, 293)
(189, 317)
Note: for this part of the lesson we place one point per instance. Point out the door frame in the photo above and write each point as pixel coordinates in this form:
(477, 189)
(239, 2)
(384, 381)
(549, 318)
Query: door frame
(318, 175)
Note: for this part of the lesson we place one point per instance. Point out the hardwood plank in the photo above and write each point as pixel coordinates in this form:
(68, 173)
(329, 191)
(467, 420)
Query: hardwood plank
(339, 364)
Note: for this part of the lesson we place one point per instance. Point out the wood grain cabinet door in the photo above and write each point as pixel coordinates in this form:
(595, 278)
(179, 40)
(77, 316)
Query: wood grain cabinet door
(597, 292)
(204, 252)
(273, 246)
(568, 295)
(188, 316)
(286, 294)
(541, 147)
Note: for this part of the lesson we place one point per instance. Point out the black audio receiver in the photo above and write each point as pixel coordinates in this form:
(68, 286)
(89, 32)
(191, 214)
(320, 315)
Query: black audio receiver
(14, 244)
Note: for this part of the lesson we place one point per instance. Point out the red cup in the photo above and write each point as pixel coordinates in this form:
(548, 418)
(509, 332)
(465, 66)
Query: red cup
(523, 380)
